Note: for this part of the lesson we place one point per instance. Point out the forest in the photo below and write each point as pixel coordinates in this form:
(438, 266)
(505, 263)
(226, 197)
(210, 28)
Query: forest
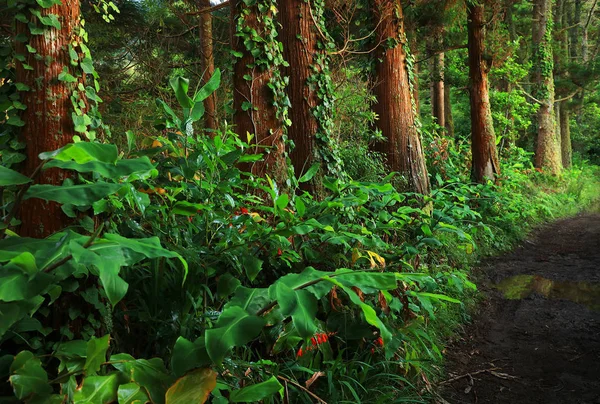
(275, 201)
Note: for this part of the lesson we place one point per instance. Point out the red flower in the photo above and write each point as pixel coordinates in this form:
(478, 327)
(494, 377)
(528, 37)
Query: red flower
(279, 252)
(314, 341)
(300, 353)
(244, 211)
(379, 341)
(190, 219)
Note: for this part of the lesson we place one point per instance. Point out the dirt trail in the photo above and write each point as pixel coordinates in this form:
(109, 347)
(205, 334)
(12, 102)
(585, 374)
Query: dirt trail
(537, 339)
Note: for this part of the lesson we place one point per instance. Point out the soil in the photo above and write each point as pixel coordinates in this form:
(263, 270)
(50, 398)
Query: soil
(536, 337)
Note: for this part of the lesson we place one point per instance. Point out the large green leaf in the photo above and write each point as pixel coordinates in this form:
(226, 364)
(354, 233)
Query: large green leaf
(96, 354)
(301, 305)
(256, 392)
(194, 387)
(249, 299)
(122, 168)
(150, 374)
(78, 195)
(189, 355)
(211, 85)
(10, 177)
(180, 86)
(28, 377)
(235, 327)
(84, 152)
(97, 390)
(149, 247)
(132, 393)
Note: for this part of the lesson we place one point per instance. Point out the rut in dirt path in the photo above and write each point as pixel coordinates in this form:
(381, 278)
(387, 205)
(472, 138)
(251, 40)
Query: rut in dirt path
(536, 338)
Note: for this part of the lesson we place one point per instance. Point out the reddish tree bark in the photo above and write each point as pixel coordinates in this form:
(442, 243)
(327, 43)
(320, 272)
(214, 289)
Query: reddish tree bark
(448, 118)
(298, 36)
(253, 100)
(208, 66)
(395, 104)
(48, 122)
(483, 139)
(437, 90)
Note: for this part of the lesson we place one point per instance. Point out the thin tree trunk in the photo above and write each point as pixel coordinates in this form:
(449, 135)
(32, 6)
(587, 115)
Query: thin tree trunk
(253, 100)
(448, 118)
(483, 139)
(547, 154)
(208, 66)
(565, 132)
(48, 122)
(437, 93)
(395, 104)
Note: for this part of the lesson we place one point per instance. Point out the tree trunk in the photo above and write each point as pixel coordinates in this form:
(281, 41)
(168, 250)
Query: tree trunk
(437, 93)
(448, 118)
(395, 104)
(48, 122)
(258, 107)
(208, 66)
(565, 133)
(309, 91)
(483, 139)
(547, 153)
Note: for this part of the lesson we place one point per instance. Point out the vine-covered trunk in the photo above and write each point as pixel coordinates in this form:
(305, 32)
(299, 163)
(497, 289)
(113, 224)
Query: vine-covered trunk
(309, 89)
(437, 90)
(48, 124)
(565, 134)
(547, 152)
(483, 139)
(256, 88)
(208, 66)
(395, 104)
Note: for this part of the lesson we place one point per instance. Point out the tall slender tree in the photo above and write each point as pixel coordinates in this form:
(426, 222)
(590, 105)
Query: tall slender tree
(208, 64)
(48, 124)
(548, 149)
(483, 139)
(438, 105)
(260, 110)
(395, 105)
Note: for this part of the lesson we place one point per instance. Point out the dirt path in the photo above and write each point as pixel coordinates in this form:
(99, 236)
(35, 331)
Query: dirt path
(537, 339)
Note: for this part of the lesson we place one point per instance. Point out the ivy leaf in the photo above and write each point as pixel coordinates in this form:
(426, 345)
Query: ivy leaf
(28, 377)
(256, 392)
(194, 387)
(235, 327)
(66, 77)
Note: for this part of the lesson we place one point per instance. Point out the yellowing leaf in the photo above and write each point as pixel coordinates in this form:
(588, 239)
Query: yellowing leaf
(194, 387)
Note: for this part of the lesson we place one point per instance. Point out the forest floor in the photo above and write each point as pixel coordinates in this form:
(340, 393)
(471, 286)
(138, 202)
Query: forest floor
(536, 336)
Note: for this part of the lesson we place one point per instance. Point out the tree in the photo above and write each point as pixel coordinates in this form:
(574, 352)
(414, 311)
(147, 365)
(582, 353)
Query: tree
(437, 86)
(395, 103)
(304, 40)
(483, 139)
(259, 99)
(208, 65)
(48, 124)
(548, 151)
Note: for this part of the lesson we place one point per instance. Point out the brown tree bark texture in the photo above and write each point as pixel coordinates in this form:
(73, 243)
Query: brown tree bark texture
(448, 118)
(394, 105)
(48, 122)
(565, 134)
(298, 35)
(208, 66)
(547, 153)
(437, 90)
(260, 120)
(483, 139)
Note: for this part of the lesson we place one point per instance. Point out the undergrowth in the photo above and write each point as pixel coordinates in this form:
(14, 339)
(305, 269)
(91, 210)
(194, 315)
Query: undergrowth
(181, 275)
